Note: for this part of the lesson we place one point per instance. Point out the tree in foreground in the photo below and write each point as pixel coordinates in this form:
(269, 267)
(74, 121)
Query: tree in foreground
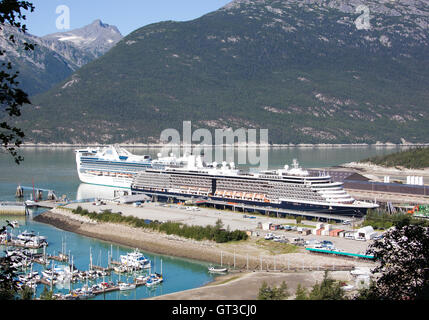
(275, 293)
(8, 286)
(328, 289)
(403, 264)
(47, 294)
(11, 97)
(301, 293)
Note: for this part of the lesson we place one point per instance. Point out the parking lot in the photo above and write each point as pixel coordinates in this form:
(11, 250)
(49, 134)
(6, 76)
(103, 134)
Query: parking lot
(232, 220)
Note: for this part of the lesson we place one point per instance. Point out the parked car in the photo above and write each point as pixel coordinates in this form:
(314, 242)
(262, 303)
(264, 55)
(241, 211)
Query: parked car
(311, 242)
(378, 237)
(269, 236)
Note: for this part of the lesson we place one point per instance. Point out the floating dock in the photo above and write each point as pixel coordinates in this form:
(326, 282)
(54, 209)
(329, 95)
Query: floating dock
(340, 253)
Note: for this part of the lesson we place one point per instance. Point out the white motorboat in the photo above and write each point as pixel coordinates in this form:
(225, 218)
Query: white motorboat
(120, 269)
(217, 270)
(126, 286)
(136, 260)
(31, 238)
(154, 279)
(15, 223)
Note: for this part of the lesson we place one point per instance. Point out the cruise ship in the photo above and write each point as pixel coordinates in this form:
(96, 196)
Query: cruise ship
(287, 188)
(114, 166)
(110, 166)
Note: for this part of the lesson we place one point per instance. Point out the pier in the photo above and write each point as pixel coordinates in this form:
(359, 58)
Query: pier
(20, 244)
(60, 258)
(76, 296)
(268, 211)
(37, 193)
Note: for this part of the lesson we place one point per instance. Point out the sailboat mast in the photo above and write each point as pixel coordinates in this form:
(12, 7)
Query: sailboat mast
(34, 197)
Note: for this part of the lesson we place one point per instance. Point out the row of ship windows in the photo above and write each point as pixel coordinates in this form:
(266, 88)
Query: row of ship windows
(294, 184)
(165, 183)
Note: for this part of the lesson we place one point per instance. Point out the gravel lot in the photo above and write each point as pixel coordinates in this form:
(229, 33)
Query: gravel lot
(233, 220)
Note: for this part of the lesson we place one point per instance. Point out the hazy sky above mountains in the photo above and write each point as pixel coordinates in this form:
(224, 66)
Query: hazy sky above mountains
(127, 15)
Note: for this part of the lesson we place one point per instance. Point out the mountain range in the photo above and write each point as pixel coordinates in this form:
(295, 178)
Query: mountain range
(55, 56)
(309, 71)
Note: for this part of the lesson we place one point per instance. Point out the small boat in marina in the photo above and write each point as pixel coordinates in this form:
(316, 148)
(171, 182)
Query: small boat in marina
(154, 279)
(136, 260)
(126, 286)
(30, 284)
(58, 274)
(29, 276)
(31, 239)
(142, 279)
(120, 269)
(84, 293)
(213, 269)
(14, 223)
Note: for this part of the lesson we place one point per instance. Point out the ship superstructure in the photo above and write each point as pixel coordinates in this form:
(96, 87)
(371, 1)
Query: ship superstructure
(287, 188)
(114, 166)
(109, 166)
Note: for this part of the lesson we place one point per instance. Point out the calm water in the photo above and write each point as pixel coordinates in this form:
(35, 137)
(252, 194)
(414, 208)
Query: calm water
(55, 169)
(179, 274)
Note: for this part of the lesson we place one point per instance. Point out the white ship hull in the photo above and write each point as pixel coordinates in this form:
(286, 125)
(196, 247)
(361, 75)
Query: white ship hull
(111, 166)
(107, 181)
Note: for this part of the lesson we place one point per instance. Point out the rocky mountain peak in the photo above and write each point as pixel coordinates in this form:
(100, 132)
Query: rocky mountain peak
(58, 55)
(96, 38)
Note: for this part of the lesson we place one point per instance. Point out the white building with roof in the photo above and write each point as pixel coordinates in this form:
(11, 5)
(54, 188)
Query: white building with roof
(366, 232)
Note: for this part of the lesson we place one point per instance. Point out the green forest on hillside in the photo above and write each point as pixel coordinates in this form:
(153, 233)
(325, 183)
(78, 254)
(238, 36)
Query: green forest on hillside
(416, 158)
(315, 82)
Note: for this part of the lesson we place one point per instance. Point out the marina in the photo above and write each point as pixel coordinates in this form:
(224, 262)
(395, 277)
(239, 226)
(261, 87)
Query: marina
(103, 282)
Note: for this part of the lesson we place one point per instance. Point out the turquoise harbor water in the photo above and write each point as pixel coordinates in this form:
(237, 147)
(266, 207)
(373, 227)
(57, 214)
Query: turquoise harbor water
(55, 169)
(179, 274)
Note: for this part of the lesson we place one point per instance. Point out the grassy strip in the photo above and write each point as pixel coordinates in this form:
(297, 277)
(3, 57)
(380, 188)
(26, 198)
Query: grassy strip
(382, 220)
(277, 247)
(214, 233)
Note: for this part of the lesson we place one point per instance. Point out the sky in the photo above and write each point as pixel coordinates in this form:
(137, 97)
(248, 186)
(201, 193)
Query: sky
(127, 15)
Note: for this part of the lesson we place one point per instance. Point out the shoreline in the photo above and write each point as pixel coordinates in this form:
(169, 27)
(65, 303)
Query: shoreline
(242, 283)
(244, 255)
(368, 167)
